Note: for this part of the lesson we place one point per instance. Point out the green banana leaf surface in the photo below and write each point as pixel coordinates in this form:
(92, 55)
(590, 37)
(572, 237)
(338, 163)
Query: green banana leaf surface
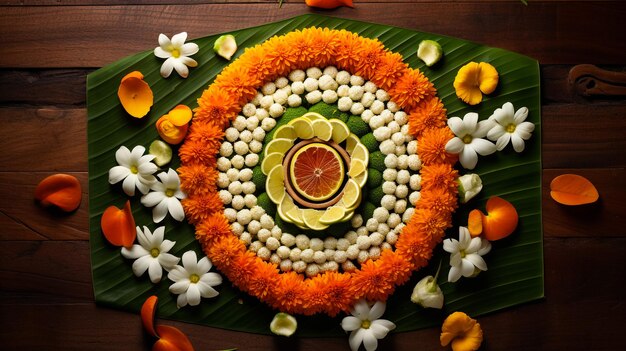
(515, 273)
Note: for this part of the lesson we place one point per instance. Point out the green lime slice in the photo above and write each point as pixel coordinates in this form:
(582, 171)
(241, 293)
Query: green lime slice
(430, 52)
(161, 151)
(225, 46)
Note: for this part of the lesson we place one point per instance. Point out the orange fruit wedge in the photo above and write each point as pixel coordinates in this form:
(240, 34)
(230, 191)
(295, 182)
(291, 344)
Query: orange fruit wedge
(572, 190)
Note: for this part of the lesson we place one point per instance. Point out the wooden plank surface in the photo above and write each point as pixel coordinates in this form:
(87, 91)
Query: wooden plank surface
(49, 46)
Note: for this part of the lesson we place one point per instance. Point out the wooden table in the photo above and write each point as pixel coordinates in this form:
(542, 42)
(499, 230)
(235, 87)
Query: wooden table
(47, 48)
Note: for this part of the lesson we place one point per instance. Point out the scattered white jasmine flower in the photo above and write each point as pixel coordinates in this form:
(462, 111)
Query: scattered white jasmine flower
(151, 254)
(134, 168)
(283, 324)
(165, 197)
(427, 293)
(510, 125)
(176, 53)
(466, 255)
(469, 186)
(365, 326)
(469, 139)
(192, 280)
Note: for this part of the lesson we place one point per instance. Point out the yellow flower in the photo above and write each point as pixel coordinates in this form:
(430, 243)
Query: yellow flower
(475, 79)
(464, 332)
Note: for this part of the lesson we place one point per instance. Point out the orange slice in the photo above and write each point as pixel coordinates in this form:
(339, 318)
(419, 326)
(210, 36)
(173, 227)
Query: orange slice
(317, 171)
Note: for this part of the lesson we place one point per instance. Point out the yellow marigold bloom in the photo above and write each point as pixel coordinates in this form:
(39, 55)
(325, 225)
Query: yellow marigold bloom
(475, 79)
(464, 332)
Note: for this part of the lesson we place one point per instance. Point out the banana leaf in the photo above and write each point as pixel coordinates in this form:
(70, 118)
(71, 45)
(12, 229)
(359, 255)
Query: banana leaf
(515, 264)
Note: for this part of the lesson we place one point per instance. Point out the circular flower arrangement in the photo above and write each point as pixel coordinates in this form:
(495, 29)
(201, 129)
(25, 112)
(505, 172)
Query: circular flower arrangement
(315, 172)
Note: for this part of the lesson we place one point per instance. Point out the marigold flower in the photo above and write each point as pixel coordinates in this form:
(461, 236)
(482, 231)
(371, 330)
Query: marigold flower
(217, 107)
(390, 67)
(372, 282)
(411, 88)
(475, 79)
(429, 114)
(281, 55)
(198, 179)
(208, 134)
(331, 290)
(441, 176)
(212, 227)
(236, 81)
(263, 279)
(224, 253)
(432, 146)
(345, 57)
(194, 152)
(199, 207)
(255, 61)
(323, 45)
(464, 332)
(369, 58)
(291, 293)
(439, 200)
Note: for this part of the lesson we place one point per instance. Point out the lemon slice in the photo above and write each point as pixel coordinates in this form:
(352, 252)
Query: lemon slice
(347, 216)
(303, 128)
(360, 153)
(351, 142)
(322, 129)
(356, 168)
(295, 216)
(351, 193)
(280, 145)
(332, 215)
(161, 151)
(340, 130)
(274, 184)
(361, 179)
(313, 116)
(311, 219)
(429, 51)
(285, 132)
(270, 161)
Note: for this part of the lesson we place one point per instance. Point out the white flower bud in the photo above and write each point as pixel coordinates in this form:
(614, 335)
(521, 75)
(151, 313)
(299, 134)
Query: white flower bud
(427, 293)
(469, 186)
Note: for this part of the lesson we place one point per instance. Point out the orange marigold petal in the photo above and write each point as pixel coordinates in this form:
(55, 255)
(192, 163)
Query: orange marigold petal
(214, 227)
(440, 176)
(573, 189)
(169, 132)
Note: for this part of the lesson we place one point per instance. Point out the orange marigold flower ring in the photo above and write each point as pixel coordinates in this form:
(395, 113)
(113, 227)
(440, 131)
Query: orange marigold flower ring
(330, 292)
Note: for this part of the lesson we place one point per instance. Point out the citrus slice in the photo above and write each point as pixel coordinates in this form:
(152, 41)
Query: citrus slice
(161, 151)
(361, 179)
(429, 51)
(311, 219)
(340, 130)
(356, 168)
(351, 142)
(270, 161)
(360, 153)
(225, 46)
(351, 193)
(322, 129)
(274, 184)
(317, 171)
(333, 215)
(295, 215)
(303, 128)
(281, 145)
(284, 206)
(313, 116)
(347, 216)
(286, 132)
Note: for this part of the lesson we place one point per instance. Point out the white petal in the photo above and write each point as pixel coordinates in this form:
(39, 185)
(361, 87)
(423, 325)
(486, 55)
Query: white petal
(141, 265)
(189, 49)
(179, 39)
(507, 114)
(129, 184)
(455, 259)
(143, 187)
(180, 287)
(474, 245)
(455, 145)
(477, 261)
(135, 252)
(118, 173)
(467, 268)
(167, 67)
(143, 237)
(206, 290)
(485, 247)
(164, 41)
(179, 194)
(159, 212)
(483, 147)
(155, 271)
(361, 310)
(526, 127)
(383, 324)
(175, 209)
(168, 261)
(495, 132)
(468, 158)
(350, 323)
(211, 279)
(369, 341)
(378, 331)
(177, 274)
(136, 154)
(464, 237)
(190, 261)
(454, 274)
(182, 300)
(180, 67)
(451, 245)
(122, 156)
(503, 141)
(157, 236)
(204, 265)
(520, 115)
(377, 310)
(518, 143)
(166, 245)
(457, 126)
(483, 128)
(356, 338)
(193, 295)
(470, 121)
(146, 168)
(160, 53)
(188, 61)
(152, 199)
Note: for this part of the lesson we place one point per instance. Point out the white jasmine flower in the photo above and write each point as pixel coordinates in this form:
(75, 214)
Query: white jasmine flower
(192, 280)
(469, 186)
(176, 53)
(427, 293)
(165, 197)
(469, 139)
(365, 326)
(510, 125)
(466, 255)
(134, 168)
(151, 254)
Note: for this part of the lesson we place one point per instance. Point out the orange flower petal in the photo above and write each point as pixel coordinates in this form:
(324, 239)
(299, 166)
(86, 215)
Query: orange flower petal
(475, 223)
(488, 77)
(148, 309)
(501, 219)
(464, 332)
(59, 190)
(135, 94)
(171, 339)
(180, 115)
(118, 225)
(572, 189)
(169, 132)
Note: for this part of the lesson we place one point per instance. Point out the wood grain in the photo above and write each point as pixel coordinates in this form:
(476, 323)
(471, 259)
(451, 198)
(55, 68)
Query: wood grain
(548, 31)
